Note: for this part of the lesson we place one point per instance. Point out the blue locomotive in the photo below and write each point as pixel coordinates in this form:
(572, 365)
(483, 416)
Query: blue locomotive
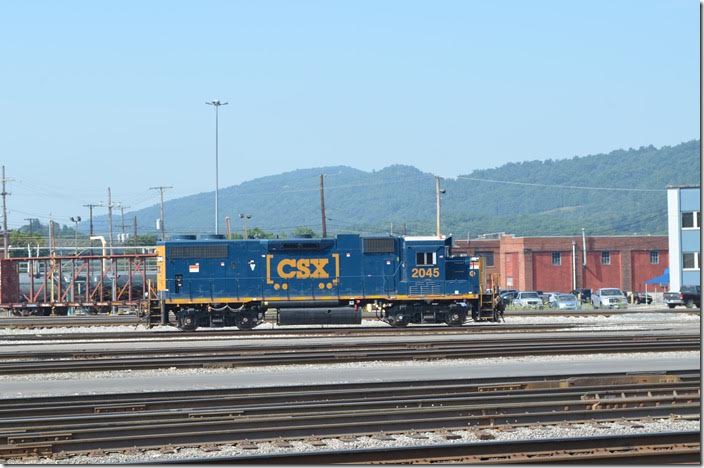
(215, 282)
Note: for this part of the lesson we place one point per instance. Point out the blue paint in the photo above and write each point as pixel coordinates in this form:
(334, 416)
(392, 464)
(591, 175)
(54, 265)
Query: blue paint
(348, 266)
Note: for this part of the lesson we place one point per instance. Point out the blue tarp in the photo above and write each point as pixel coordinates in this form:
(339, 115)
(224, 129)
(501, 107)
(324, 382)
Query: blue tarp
(662, 280)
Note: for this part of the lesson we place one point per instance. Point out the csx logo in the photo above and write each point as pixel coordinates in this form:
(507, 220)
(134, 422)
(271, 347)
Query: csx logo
(303, 268)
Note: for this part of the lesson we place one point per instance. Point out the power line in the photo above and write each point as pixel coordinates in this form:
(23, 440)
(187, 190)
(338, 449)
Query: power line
(577, 187)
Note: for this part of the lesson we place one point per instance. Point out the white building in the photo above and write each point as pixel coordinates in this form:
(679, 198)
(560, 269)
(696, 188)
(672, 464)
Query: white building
(684, 221)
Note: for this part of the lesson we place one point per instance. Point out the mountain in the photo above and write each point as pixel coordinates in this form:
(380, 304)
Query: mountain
(521, 198)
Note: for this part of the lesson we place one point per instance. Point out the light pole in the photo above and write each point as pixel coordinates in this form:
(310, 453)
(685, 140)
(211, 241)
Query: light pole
(216, 103)
(75, 220)
(244, 217)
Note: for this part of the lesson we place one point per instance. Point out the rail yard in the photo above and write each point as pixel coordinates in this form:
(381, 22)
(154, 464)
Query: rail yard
(345, 349)
(596, 386)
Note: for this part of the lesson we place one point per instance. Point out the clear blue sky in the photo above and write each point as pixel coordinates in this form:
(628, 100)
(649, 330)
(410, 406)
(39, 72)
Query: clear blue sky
(112, 93)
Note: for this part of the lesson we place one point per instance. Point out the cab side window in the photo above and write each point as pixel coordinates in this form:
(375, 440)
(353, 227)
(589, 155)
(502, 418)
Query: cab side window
(426, 258)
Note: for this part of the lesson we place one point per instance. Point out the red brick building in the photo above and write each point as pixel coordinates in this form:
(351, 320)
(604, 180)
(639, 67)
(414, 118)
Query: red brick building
(545, 263)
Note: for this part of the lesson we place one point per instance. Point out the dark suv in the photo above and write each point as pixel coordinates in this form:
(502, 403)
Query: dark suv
(585, 294)
(689, 296)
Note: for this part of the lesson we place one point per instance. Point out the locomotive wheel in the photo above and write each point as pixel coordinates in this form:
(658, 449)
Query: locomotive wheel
(455, 318)
(395, 322)
(186, 322)
(245, 322)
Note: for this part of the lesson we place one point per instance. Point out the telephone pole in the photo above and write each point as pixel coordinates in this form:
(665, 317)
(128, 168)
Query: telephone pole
(161, 189)
(438, 191)
(90, 207)
(134, 225)
(31, 224)
(322, 206)
(5, 234)
(228, 228)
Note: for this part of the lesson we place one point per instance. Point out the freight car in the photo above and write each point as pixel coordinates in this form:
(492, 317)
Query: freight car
(213, 282)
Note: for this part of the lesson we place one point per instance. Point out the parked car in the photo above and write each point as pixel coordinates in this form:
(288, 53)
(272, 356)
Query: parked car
(545, 296)
(528, 299)
(584, 294)
(642, 298)
(565, 301)
(609, 298)
(689, 296)
(508, 295)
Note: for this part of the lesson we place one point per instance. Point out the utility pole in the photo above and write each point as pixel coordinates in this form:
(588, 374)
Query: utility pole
(110, 205)
(5, 234)
(228, 227)
(90, 207)
(322, 206)
(438, 191)
(584, 249)
(161, 189)
(216, 103)
(134, 225)
(31, 224)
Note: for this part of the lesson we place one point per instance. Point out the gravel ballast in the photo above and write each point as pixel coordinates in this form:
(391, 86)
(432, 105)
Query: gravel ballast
(470, 435)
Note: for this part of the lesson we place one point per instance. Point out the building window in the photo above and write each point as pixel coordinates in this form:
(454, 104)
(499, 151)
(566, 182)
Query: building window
(691, 219)
(691, 260)
(425, 258)
(606, 258)
(654, 257)
(487, 256)
(556, 258)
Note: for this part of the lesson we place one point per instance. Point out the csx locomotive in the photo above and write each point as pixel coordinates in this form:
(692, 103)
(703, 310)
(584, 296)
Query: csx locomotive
(212, 282)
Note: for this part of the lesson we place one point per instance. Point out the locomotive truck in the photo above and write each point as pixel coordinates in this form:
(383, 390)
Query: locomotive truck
(213, 282)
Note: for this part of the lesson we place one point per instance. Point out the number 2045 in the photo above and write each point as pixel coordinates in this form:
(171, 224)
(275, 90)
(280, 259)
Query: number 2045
(425, 273)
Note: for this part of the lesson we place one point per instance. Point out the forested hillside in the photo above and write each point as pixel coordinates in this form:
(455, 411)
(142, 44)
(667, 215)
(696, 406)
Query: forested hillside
(476, 202)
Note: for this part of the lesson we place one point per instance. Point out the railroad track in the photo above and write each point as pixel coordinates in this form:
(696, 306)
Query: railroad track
(132, 319)
(659, 448)
(71, 321)
(84, 424)
(287, 333)
(251, 354)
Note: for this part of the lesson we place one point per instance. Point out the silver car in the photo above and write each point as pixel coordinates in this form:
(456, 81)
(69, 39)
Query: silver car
(609, 298)
(565, 302)
(529, 299)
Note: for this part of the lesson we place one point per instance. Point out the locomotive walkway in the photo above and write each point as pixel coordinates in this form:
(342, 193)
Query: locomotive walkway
(96, 424)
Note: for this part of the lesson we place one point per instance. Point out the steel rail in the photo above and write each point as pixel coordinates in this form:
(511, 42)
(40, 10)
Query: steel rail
(224, 409)
(492, 405)
(667, 447)
(95, 403)
(287, 333)
(132, 319)
(29, 352)
(277, 355)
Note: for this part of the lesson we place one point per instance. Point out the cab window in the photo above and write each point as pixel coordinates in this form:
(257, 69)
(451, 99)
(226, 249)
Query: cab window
(425, 258)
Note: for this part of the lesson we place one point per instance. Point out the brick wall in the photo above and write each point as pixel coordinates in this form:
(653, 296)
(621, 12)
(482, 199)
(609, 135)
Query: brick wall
(527, 261)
